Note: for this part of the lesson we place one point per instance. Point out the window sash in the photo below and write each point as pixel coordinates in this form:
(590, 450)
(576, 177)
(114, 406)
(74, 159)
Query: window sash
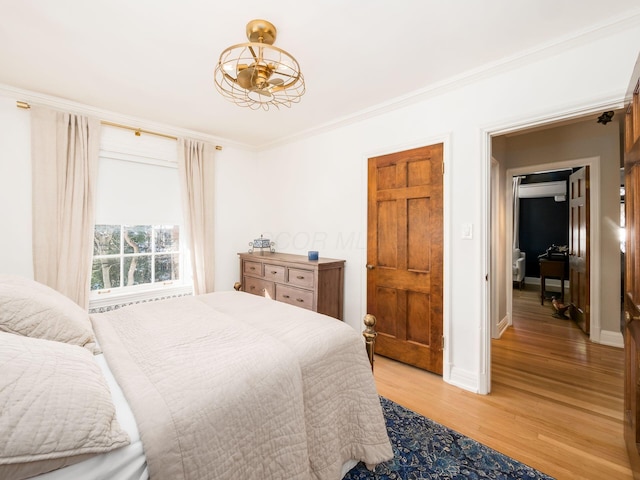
(153, 256)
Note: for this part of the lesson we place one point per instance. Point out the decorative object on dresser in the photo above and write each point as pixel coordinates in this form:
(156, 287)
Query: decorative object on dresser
(313, 284)
(262, 243)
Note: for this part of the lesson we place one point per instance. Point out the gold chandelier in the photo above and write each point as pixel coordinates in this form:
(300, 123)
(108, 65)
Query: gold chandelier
(257, 74)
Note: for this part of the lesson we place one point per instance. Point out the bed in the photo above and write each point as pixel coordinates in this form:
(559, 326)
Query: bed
(225, 385)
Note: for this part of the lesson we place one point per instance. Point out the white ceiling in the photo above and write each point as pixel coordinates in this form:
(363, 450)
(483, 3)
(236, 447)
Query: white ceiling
(154, 59)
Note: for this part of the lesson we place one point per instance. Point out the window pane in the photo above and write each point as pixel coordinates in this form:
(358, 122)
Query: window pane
(167, 267)
(137, 270)
(137, 239)
(105, 273)
(168, 238)
(106, 240)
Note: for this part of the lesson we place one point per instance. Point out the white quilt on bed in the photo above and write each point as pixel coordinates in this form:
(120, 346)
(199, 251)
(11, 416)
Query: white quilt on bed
(230, 385)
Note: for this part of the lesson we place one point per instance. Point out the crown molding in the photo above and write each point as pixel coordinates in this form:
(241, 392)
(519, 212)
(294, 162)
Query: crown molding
(548, 49)
(36, 98)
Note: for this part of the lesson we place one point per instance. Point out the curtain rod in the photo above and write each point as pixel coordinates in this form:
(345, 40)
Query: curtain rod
(137, 131)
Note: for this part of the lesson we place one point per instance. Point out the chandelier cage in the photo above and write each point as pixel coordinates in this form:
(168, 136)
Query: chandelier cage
(257, 74)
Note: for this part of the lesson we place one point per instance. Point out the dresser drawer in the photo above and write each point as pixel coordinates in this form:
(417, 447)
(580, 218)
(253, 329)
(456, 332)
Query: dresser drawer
(258, 286)
(316, 285)
(252, 268)
(301, 278)
(295, 296)
(274, 272)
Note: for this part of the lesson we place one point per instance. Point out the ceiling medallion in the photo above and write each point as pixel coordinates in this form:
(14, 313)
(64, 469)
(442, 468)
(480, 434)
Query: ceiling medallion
(257, 74)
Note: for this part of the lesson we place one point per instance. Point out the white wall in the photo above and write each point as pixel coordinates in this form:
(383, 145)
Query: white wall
(240, 203)
(500, 247)
(16, 257)
(311, 193)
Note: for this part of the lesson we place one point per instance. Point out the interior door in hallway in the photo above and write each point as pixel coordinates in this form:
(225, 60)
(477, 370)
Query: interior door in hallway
(579, 247)
(405, 255)
(632, 274)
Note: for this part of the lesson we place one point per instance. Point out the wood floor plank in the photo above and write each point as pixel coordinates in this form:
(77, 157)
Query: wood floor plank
(556, 401)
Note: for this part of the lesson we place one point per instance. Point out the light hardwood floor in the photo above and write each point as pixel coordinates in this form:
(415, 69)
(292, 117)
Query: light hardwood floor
(556, 401)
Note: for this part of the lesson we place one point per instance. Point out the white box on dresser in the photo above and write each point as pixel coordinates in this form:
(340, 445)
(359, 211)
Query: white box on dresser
(317, 285)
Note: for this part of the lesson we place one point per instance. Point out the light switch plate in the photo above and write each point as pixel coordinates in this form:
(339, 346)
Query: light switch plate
(467, 231)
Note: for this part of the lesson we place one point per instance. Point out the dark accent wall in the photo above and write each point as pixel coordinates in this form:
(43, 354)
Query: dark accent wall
(543, 221)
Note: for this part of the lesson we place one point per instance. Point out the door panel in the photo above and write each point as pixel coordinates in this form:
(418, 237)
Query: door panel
(579, 247)
(404, 255)
(418, 234)
(632, 277)
(418, 325)
(386, 307)
(387, 238)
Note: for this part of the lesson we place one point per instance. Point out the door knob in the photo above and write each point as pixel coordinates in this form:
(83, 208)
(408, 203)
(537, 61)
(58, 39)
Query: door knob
(370, 267)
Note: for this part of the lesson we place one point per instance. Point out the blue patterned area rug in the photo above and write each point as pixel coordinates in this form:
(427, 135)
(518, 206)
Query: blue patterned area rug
(424, 449)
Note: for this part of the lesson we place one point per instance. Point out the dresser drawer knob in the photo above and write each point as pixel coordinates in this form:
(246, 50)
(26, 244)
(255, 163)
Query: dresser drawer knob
(299, 300)
(286, 296)
(300, 277)
(273, 272)
(252, 268)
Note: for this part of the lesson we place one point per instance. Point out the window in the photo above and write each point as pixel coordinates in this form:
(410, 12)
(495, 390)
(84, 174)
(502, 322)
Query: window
(139, 253)
(131, 255)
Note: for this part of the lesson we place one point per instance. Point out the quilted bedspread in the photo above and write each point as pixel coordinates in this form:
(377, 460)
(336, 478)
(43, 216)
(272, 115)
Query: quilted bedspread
(230, 385)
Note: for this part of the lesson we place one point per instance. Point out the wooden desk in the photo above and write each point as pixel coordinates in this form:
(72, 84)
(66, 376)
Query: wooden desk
(553, 269)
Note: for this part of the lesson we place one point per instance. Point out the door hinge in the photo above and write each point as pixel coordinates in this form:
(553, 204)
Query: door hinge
(443, 342)
(442, 168)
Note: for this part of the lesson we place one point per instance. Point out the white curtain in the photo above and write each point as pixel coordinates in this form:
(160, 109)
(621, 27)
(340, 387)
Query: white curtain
(64, 158)
(516, 212)
(195, 167)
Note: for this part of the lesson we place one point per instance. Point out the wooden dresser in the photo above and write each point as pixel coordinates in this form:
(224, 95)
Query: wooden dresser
(317, 285)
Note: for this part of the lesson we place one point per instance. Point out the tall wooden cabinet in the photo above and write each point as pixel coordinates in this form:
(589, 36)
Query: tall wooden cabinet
(316, 285)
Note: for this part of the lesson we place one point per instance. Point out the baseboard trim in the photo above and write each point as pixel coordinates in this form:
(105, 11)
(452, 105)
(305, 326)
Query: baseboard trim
(550, 282)
(611, 338)
(464, 379)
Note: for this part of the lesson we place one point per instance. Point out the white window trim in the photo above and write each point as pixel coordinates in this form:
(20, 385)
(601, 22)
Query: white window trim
(133, 293)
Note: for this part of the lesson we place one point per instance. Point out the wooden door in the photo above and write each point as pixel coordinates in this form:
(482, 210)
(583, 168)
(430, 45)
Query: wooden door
(632, 277)
(405, 255)
(579, 247)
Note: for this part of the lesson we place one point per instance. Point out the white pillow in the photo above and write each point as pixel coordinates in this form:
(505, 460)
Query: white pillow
(55, 404)
(33, 309)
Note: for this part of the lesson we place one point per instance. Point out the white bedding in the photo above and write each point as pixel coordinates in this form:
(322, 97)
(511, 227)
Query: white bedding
(126, 463)
(296, 401)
